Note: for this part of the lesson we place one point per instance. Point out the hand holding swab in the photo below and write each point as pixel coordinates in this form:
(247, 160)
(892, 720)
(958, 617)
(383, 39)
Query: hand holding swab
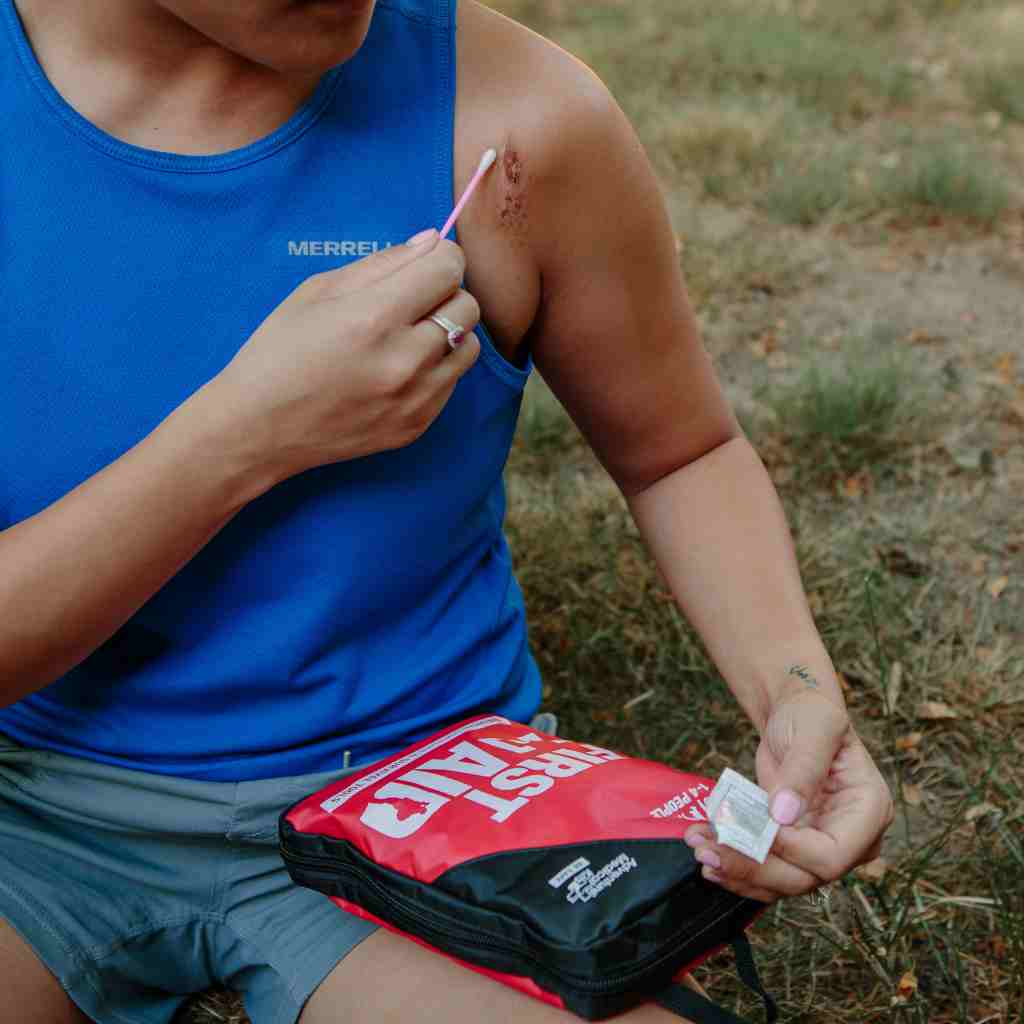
(485, 165)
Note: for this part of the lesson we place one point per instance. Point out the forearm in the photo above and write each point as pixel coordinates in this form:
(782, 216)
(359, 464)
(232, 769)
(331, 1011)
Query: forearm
(71, 575)
(718, 533)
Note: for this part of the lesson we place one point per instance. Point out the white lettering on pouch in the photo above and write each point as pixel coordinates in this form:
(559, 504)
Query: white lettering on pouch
(689, 804)
(588, 884)
(400, 808)
(563, 876)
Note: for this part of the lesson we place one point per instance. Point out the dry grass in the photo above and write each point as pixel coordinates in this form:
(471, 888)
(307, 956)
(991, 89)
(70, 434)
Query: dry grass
(851, 226)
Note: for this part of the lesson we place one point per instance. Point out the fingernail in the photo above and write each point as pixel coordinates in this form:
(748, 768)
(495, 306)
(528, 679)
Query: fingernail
(709, 857)
(786, 807)
(695, 838)
(423, 237)
(711, 876)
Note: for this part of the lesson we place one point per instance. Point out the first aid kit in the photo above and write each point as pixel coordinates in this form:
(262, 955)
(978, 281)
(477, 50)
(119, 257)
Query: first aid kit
(552, 866)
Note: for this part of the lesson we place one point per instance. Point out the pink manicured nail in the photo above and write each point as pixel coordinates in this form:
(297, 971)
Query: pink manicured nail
(709, 857)
(695, 838)
(786, 807)
(711, 876)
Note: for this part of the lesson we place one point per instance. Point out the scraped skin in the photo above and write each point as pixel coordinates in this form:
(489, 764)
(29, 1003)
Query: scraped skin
(514, 207)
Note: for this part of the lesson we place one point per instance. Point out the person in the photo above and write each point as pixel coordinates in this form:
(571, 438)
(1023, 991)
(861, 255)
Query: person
(251, 492)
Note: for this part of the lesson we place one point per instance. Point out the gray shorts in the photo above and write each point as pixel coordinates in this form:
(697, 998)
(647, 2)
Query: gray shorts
(137, 889)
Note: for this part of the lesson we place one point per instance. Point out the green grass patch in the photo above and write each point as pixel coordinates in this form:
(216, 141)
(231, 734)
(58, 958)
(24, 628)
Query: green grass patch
(999, 87)
(806, 190)
(851, 408)
(784, 54)
(947, 176)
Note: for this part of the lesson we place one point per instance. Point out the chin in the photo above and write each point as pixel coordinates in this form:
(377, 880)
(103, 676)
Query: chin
(295, 37)
(319, 34)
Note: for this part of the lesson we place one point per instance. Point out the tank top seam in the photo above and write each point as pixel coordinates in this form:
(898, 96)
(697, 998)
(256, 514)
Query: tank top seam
(174, 163)
(405, 12)
(513, 377)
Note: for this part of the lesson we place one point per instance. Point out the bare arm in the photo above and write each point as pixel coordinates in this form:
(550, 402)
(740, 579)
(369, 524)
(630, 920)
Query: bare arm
(617, 341)
(717, 530)
(75, 572)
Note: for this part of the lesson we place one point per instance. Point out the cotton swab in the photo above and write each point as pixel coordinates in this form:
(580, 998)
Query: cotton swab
(485, 165)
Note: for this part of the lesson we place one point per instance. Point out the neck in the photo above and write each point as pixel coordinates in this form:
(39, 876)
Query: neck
(143, 75)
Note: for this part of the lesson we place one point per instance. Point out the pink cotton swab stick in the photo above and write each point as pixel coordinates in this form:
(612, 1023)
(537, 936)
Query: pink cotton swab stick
(486, 161)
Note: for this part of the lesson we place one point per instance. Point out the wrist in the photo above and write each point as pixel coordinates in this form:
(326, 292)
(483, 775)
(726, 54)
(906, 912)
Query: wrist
(223, 447)
(790, 678)
(799, 678)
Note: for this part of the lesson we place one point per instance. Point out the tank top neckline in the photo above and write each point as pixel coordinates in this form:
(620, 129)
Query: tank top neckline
(299, 122)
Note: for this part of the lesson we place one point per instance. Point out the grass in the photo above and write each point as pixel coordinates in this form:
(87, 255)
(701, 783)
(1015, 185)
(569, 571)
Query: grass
(853, 408)
(949, 177)
(825, 164)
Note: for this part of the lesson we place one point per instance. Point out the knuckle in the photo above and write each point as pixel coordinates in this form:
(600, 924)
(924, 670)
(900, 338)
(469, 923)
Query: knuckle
(473, 310)
(366, 322)
(737, 866)
(832, 869)
(396, 372)
(454, 260)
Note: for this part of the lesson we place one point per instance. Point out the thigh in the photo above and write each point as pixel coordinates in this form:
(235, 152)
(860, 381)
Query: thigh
(390, 980)
(35, 994)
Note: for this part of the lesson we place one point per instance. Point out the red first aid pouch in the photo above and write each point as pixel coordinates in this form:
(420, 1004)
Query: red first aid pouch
(552, 866)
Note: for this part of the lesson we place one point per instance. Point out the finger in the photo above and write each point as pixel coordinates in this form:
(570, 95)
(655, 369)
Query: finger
(750, 892)
(417, 288)
(431, 338)
(813, 850)
(697, 835)
(806, 763)
(774, 875)
(332, 284)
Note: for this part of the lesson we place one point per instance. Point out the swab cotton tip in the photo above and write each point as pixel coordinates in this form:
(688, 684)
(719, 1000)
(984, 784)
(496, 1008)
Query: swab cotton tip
(486, 162)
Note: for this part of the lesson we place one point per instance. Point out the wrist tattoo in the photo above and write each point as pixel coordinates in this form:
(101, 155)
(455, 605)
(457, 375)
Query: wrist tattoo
(802, 672)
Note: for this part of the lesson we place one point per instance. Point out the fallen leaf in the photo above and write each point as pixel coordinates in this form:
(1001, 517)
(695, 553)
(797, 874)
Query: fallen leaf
(910, 741)
(907, 988)
(913, 795)
(873, 871)
(1006, 367)
(853, 488)
(997, 586)
(922, 336)
(979, 809)
(934, 710)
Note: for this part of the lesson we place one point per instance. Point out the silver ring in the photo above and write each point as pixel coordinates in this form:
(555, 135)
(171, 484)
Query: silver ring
(452, 330)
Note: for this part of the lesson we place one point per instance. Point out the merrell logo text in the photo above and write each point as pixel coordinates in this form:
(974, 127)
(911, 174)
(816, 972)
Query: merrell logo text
(309, 247)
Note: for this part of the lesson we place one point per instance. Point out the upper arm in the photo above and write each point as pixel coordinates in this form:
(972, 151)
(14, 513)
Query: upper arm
(615, 336)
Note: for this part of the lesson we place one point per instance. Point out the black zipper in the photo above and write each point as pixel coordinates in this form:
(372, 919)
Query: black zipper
(443, 934)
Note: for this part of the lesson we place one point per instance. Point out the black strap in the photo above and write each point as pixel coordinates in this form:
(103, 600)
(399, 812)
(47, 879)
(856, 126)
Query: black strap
(685, 1002)
(747, 970)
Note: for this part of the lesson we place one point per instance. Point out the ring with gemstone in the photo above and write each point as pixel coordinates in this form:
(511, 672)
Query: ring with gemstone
(452, 330)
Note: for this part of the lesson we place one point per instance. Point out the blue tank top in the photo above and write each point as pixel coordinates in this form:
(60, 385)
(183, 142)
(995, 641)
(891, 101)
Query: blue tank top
(353, 608)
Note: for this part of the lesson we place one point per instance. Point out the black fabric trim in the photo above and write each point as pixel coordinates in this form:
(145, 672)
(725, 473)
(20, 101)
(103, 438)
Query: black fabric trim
(594, 979)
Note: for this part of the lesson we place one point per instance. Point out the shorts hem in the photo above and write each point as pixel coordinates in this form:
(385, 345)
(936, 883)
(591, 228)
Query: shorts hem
(73, 971)
(303, 988)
